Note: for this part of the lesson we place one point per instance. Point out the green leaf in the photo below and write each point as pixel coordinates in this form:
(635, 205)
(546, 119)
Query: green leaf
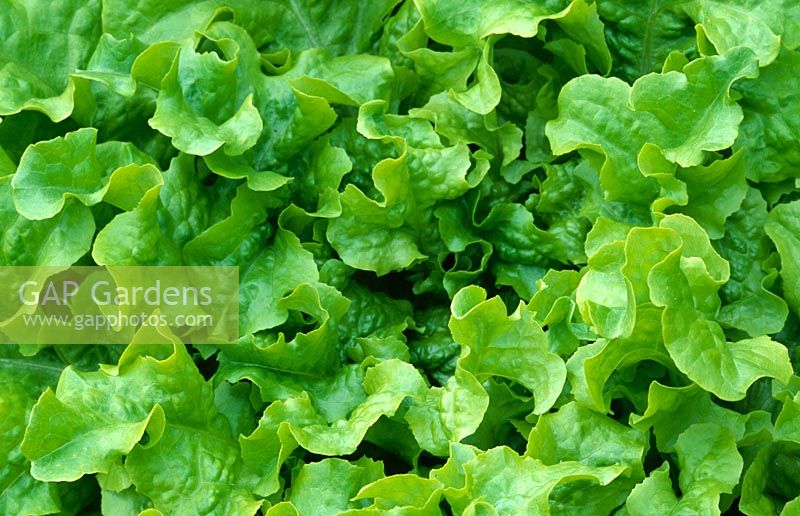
(750, 304)
(386, 235)
(699, 348)
(715, 192)
(665, 404)
(60, 240)
(314, 352)
(268, 278)
(70, 455)
(176, 413)
(770, 482)
(783, 226)
(198, 122)
(770, 119)
(173, 20)
(516, 254)
(641, 35)
(44, 44)
(370, 236)
(703, 117)
(448, 414)
(709, 466)
(460, 125)
(575, 433)
(386, 385)
(318, 488)
(755, 25)
(502, 480)
(473, 24)
(294, 102)
(302, 25)
(605, 296)
(165, 218)
(404, 493)
(653, 495)
(74, 166)
(467, 24)
(513, 347)
(288, 424)
(24, 378)
(224, 242)
(592, 366)
(786, 426)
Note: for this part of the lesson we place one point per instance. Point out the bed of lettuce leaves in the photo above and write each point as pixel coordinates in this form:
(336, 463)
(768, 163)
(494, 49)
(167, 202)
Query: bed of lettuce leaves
(496, 257)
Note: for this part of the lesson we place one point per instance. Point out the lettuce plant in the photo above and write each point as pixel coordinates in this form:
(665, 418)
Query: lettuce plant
(495, 257)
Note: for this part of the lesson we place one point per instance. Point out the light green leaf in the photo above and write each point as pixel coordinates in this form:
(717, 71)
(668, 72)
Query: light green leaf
(328, 486)
(74, 166)
(575, 433)
(75, 451)
(402, 494)
(672, 410)
(591, 367)
(755, 25)
(176, 412)
(709, 465)
(500, 479)
(387, 235)
(702, 117)
(23, 379)
(57, 241)
(715, 192)
(272, 274)
(513, 347)
(448, 414)
(654, 495)
(200, 122)
(288, 424)
(605, 297)
(466, 24)
(699, 348)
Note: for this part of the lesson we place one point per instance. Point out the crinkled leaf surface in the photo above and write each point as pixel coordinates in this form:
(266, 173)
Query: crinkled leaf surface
(495, 257)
